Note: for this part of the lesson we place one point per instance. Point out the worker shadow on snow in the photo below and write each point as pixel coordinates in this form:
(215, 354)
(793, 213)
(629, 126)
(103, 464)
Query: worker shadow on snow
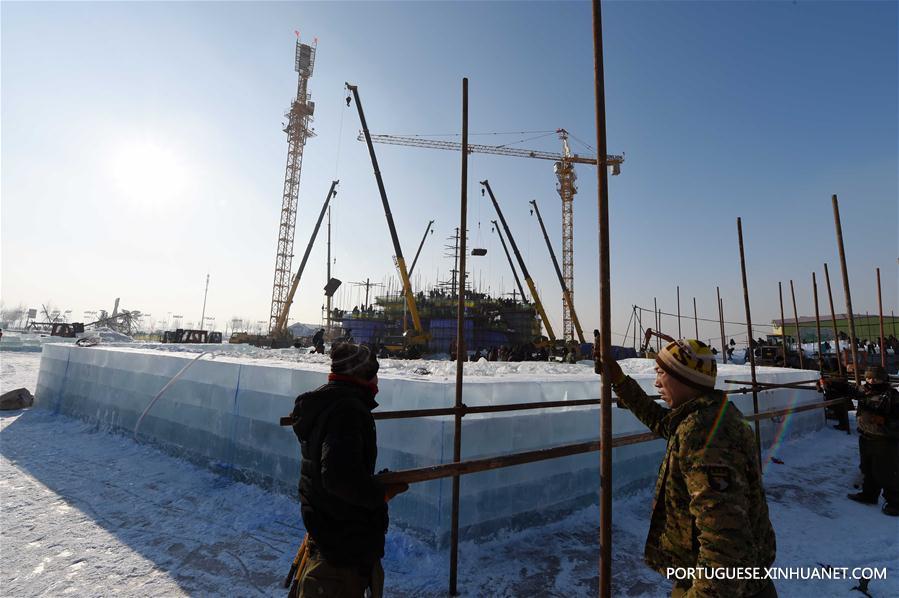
(207, 533)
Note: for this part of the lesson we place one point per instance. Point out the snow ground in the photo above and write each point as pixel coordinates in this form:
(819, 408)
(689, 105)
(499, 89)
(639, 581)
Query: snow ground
(87, 513)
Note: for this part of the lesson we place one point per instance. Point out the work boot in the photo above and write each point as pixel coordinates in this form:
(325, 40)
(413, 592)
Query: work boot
(842, 427)
(890, 509)
(865, 499)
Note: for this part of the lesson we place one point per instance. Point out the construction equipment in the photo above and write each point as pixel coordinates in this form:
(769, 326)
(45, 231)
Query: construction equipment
(428, 229)
(279, 331)
(565, 293)
(509, 257)
(647, 336)
(524, 269)
(564, 169)
(298, 131)
(418, 337)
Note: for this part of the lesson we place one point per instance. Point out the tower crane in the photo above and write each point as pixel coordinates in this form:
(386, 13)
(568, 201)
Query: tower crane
(566, 187)
(298, 131)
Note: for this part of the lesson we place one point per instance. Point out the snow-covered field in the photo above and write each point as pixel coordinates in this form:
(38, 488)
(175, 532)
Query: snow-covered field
(87, 513)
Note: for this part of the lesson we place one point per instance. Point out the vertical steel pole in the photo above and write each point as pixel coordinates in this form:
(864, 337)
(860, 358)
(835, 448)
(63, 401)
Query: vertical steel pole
(721, 324)
(695, 319)
(845, 271)
(460, 347)
(798, 329)
(833, 320)
(635, 327)
(883, 351)
(755, 393)
(655, 313)
(679, 335)
(783, 322)
(605, 316)
(817, 324)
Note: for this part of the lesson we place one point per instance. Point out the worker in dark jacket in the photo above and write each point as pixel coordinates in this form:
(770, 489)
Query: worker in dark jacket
(838, 387)
(709, 509)
(344, 507)
(878, 441)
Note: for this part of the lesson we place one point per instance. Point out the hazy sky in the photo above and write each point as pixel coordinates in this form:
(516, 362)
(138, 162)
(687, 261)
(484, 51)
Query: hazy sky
(142, 148)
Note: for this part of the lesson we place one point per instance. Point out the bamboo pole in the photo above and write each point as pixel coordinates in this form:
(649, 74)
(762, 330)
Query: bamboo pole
(605, 314)
(798, 329)
(695, 319)
(721, 324)
(833, 319)
(461, 352)
(883, 351)
(783, 322)
(755, 394)
(679, 334)
(845, 271)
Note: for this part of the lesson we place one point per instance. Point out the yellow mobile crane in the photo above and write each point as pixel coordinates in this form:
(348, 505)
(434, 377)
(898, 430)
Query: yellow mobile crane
(524, 269)
(279, 335)
(417, 338)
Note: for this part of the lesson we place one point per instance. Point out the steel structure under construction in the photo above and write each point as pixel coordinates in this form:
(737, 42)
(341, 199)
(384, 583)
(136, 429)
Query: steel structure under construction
(298, 131)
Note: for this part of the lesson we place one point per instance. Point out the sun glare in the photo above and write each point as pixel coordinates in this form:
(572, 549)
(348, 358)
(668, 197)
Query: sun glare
(148, 173)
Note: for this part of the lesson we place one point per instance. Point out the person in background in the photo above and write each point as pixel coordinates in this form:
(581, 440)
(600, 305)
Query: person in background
(878, 441)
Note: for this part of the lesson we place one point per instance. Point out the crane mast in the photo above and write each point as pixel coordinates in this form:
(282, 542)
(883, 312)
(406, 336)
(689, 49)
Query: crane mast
(298, 130)
(566, 188)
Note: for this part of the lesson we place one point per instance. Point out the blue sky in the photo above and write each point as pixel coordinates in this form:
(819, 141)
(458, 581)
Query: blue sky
(142, 148)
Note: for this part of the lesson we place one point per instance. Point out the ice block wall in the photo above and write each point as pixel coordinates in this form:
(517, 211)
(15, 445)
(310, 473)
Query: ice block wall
(223, 412)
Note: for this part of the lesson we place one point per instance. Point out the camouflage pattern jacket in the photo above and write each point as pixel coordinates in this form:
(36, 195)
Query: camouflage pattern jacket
(709, 508)
(878, 412)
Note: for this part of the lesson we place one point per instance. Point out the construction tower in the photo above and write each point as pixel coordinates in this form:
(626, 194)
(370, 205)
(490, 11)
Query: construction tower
(298, 130)
(566, 187)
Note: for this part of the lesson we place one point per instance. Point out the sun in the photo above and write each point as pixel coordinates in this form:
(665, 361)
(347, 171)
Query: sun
(148, 173)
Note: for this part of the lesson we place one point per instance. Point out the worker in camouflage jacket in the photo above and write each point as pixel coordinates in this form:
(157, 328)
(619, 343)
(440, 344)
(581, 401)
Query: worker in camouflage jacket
(709, 509)
(344, 506)
(878, 441)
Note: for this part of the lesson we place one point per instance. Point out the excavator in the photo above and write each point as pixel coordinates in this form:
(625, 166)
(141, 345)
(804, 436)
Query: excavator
(413, 342)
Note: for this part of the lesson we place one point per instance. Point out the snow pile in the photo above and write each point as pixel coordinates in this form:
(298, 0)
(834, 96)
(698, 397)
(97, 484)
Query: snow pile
(108, 335)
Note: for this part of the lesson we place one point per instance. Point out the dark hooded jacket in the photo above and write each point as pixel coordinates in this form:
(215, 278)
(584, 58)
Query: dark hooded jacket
(343, 506)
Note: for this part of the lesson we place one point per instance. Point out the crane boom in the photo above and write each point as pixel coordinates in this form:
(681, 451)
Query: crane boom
(509, 257)
(280, 327)
(500, 150)
(524, 268)
(420, 336)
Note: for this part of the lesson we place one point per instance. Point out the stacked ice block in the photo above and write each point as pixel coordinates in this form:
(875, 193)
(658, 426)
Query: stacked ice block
(223, 412)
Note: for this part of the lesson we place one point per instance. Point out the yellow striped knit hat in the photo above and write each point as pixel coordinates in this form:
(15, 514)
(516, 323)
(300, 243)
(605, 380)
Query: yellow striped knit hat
(691, 362)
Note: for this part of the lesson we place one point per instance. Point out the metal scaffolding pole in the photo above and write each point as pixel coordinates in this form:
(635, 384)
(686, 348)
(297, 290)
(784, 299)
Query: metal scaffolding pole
(605, 316)
(460, 347)
(845, 271)
(751, 351)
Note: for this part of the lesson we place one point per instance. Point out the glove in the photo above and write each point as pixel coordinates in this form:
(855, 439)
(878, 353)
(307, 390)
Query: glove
(615, 370)
(391, 490)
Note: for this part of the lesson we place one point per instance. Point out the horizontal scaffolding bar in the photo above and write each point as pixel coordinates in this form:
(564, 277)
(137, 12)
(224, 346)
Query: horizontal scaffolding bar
(445, 470)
